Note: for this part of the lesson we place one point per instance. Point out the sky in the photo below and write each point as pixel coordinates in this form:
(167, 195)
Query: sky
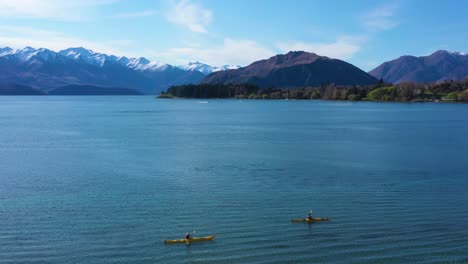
(217, 32)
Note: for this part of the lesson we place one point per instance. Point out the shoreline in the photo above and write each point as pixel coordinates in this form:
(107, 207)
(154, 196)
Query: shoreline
(330, 100)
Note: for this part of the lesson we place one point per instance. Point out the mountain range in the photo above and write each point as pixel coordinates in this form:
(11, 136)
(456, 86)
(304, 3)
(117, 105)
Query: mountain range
(439, 66)
(292, 70)
(46, 70)
(41, 71)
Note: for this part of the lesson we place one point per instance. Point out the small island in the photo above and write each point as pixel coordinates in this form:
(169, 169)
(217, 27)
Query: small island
(447, 91)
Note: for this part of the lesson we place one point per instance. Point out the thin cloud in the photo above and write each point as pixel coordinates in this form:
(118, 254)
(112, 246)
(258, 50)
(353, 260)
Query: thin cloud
(343, 48)
(50, 9)
(190, 15)
(20, 37)
(380, 19)
(231, 51)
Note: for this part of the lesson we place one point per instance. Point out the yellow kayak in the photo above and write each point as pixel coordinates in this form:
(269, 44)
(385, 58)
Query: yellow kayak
(194, 239)
(317, 219)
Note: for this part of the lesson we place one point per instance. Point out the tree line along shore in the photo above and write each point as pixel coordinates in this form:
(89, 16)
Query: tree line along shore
(404, 92)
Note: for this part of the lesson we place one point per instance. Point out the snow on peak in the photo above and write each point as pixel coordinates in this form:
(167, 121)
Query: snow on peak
(228, 67)
(462, 53)
(88, 56)
(6, 51)
(205, 68)
(452, 52)
(143, 64)
(138, 62)
(197, 66)
(76, 51)
(27, 54)
(99, 59)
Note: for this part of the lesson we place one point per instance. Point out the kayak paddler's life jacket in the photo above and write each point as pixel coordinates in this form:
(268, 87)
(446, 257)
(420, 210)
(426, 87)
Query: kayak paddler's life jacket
(187, 236)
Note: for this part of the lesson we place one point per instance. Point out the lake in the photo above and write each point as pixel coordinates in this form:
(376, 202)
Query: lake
(107, 179)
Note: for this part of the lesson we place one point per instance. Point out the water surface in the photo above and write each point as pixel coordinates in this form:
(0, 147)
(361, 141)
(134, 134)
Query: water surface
(106, 179)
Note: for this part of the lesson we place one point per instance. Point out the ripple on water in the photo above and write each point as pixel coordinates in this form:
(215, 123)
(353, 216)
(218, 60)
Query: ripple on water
(106, 180)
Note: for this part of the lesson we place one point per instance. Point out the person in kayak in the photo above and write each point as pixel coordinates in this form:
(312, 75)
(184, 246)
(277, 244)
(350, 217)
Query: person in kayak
(188, 236)
(309, 216)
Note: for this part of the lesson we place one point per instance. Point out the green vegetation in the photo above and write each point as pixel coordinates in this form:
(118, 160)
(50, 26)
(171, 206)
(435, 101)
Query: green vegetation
(453, 96)
(164, 95)
(382, 94)
(404, 92)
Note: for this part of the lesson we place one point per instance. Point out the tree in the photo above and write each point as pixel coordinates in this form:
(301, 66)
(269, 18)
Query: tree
(354, 97)
(452, 96)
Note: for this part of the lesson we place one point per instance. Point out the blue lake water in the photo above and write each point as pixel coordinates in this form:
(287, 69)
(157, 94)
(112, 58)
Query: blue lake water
(106, 179)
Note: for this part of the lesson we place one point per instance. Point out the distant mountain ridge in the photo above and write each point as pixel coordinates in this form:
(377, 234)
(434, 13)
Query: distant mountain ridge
(205, 68)
(292, 70)
(45, 70)
(39, 71)
(439, 66)
(91, 57)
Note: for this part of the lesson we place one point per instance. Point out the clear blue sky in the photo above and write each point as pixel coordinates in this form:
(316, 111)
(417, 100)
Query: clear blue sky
(217, 32)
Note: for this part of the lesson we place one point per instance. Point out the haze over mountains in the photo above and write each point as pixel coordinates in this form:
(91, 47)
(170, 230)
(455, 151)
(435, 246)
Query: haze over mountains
(42, 71)
(439, 66)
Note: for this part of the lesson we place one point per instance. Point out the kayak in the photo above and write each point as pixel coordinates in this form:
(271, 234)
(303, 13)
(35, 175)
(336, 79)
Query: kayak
(310, 220)
(194, 239)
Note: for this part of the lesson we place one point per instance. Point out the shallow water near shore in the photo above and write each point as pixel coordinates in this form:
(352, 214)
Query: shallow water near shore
(106, 179)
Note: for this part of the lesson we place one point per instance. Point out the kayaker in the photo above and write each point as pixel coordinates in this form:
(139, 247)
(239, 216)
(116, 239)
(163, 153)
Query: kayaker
(309, 216)
(188, 236)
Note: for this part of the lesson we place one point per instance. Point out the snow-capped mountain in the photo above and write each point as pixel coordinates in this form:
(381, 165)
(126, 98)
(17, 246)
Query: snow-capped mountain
(91, 57)
(197, 66)
(227, 67)
(456, 53)
(205, 68)
(88, 56)
(45, 70)
(6, 51)
(142, 64)
(28, 54)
